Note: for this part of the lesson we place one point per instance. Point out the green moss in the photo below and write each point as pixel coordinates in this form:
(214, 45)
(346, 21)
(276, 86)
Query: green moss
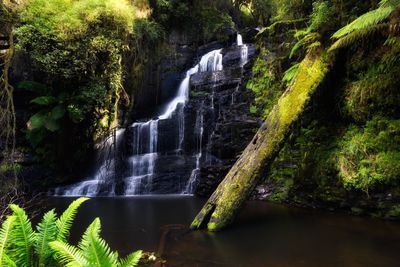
(212, 226)
(309, 76)
(265, 82)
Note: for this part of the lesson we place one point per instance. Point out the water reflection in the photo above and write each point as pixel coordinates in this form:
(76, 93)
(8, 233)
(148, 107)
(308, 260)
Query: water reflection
(264, 234)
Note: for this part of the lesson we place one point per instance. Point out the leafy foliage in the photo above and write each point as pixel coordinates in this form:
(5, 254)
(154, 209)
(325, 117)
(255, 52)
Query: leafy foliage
(5, 236)
(206, 20)
(370, 156)
(46, 232)
(77, 47)
(92, 251)
(291, 73)
(321, 18)
(47, 246)
(366, 25)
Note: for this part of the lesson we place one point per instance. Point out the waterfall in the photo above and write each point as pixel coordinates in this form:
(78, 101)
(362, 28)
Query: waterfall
(239, 39)
(244, 50)
(107, 160)
(145, 138)
(145, 155)
(244, 55)
(199, 131)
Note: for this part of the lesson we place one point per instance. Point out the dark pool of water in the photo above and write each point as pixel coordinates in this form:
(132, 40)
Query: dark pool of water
(264, 234)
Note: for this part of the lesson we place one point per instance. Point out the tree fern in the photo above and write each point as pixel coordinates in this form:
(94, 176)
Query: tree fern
(131, 260)
(389, 3)
(361, 34)
(46, 232)
(369, 19)
(95, 249)
(5, 234)
(64, 223)
(68, 255)
(366, 25)
(22, 238)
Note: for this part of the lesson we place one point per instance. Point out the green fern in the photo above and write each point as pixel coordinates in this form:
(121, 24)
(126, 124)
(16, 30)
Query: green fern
(5, 234)
(8, 262)
(362, 34)
(131, 260)
(92, 251)
(366, 25)
(365, 21)
(95, 249)
(22, 238)
(65, 221)
(46, 232)
(21, 246)
(291, 73)
(68, 255)
(389, 3)
(310, 36)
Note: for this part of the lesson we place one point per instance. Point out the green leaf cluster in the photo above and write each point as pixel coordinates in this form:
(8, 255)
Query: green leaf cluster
(367, 25)
(21, 245)
(320, 19)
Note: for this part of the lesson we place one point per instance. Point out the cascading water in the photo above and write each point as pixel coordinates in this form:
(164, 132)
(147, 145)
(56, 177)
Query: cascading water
(199, 131)
(106, 156)
(244, 55)
(244, 49)
(145, 135)
(145, 138)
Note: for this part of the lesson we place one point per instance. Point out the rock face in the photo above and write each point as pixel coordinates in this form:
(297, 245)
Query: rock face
(229, 125)
(186, 142)
(219, 109)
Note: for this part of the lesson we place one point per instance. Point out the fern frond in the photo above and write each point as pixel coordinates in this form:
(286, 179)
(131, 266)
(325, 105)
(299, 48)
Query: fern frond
(7, 262)
(291, 73)
(307, 39)
(5, 234)
(389, 3)
(359, 35)
(131, 260)
(68, 255)
(365, 21)
(64, 223)
(46, 232)
(95, 249)
(22, 238)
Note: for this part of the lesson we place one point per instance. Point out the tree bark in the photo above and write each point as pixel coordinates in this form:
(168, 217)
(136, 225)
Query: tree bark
(223, 205)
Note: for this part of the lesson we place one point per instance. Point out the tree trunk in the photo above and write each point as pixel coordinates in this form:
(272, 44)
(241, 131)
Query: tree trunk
(231, 194)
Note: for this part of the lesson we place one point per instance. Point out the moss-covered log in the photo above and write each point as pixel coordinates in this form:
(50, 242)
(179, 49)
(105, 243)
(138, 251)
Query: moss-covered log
(228, 198)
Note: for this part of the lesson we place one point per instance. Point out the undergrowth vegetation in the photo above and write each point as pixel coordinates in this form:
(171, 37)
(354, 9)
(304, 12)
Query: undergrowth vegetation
(347, 142)
(369, 156)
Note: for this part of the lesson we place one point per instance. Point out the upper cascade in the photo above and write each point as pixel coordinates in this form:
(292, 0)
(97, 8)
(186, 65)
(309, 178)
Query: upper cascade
(131, 159)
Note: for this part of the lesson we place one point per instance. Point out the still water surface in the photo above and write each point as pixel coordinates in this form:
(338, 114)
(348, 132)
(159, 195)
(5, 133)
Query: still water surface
(264, 234)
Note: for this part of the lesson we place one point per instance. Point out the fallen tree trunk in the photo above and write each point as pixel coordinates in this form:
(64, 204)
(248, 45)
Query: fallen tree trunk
(223, 205)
